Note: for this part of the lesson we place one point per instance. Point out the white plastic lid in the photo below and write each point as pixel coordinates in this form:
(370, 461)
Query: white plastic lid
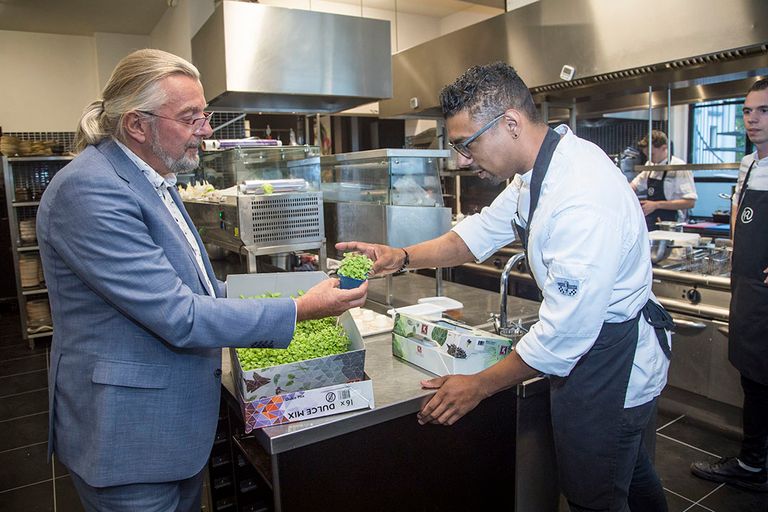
(445, 303)
(426, 310)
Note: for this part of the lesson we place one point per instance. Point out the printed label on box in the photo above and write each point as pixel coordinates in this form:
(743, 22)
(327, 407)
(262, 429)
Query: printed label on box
(303, 405)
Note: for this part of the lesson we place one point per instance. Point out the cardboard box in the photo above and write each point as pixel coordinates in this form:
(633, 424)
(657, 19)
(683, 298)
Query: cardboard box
(304, 405)
(455, 339)
(264, 383)
(425, 354)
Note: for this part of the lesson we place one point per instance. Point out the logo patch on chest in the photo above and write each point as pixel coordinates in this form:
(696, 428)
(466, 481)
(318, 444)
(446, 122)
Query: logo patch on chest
(651, 191)
(746, 215)
(567, 287)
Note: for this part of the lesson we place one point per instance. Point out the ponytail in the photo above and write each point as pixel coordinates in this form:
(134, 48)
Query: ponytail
(90, 130)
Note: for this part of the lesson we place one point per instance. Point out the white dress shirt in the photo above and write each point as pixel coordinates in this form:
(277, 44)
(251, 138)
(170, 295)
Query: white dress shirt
(588, 232)
(161, 186)
(758, 179)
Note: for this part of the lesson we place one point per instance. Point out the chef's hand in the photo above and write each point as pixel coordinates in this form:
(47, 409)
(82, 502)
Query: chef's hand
(456, 396)
(766, 277)
(386, 259)
(327, 299)
(648, 206)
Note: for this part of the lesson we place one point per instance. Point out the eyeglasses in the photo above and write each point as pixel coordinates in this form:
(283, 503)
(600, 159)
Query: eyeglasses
(196, 123)
(463, 147)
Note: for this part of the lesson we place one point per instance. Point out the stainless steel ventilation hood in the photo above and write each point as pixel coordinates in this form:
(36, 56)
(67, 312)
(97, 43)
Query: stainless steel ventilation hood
(617, 49)
(258, 58)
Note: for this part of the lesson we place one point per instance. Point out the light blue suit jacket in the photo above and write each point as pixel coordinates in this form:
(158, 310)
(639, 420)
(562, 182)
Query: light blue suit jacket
(135, 362)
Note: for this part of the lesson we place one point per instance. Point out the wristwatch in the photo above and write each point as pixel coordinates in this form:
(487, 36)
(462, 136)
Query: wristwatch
(406, 261)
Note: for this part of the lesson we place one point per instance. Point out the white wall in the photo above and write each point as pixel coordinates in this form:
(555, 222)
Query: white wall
(46, 80)
(173, 33)
(110, 49)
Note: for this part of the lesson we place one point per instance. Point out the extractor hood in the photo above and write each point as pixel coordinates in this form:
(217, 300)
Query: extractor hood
(259, 58)
(616, 48)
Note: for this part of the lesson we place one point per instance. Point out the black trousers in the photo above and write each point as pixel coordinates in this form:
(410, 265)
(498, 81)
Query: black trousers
(604, 450)
(754, 445)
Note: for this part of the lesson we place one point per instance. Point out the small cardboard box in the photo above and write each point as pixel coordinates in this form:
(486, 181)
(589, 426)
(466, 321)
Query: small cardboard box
(432, 358)
(264, 383)
(304, 405)
(455, 339)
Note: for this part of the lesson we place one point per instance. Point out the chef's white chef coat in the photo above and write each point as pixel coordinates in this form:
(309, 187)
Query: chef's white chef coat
(758, 179)
(588, 251)
(677, 185)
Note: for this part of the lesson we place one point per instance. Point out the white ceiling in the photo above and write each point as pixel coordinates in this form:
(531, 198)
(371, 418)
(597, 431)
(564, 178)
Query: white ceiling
(139, 17)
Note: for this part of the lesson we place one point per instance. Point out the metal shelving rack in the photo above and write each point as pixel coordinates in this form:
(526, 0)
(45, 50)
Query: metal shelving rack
(25, 180)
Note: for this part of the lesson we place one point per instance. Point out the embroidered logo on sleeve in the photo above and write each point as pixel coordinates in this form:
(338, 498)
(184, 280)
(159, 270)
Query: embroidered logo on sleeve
(568, 287)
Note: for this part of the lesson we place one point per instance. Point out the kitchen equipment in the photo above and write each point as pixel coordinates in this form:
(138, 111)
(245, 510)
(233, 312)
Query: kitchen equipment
(679, 240)
(262, 58)
(667, 225)
(386, 196)
(721, 216)
(660, 250)
(258, 220)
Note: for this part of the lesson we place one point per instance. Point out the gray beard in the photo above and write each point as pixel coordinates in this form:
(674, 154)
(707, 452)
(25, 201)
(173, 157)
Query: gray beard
(180, 165)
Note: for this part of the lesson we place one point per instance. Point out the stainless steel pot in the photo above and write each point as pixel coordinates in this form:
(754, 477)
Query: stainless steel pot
(660, 250)
(668, 225)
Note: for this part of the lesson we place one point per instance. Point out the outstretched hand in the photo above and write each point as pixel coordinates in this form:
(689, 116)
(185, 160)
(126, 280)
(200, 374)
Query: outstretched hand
(386, 260)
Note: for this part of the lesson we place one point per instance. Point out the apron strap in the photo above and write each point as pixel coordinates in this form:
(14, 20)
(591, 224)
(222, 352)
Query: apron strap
(661, 321)
(744, 187)
(540, 167)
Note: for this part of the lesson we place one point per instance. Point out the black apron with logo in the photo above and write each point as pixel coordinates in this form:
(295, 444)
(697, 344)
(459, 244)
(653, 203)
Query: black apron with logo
(656, 193)
(587, 405)
(748, 316)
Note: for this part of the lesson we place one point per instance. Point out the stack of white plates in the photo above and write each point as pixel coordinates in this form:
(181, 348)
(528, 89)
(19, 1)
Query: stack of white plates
(29, 270)
(9, 146)
(27, 231)
(38, 313)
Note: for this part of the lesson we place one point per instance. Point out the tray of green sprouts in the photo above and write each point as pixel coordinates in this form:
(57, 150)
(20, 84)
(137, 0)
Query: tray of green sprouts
(311, 339)
(322, 352)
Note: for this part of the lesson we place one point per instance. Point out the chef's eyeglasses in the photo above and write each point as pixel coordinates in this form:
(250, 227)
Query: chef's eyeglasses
(463, 147)
(196, 123)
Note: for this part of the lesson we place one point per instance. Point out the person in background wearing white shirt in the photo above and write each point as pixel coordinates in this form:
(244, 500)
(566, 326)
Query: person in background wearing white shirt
(601, 339)
(668, 194)
(748, 315)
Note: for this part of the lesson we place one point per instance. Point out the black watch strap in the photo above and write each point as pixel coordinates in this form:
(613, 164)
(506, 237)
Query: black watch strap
(406, 261)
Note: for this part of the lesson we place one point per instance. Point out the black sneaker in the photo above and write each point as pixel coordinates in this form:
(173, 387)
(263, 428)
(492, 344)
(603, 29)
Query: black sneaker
(728, 470)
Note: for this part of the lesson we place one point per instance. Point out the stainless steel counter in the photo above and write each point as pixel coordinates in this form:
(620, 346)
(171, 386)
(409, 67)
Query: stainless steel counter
(396, 383)
(501, 452)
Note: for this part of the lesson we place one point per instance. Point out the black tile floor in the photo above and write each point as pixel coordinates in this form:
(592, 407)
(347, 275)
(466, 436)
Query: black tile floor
(29, 483)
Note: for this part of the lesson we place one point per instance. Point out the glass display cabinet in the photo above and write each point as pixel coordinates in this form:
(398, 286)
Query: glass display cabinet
(268, 202)
(386, 196)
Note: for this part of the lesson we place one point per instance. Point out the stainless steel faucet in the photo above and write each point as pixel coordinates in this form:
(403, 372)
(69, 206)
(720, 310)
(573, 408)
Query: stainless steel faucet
(501, 322)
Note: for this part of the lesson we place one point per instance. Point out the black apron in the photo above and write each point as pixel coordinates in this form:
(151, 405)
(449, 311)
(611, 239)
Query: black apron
(656, 193)
(748, 316)
(587, 405)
